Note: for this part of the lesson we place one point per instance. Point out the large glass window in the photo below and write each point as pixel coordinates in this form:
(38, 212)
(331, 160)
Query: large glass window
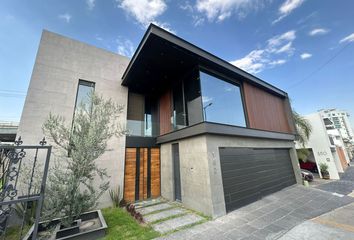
(222, 101)
(142, 115)
(179, 113)
(84, 90)
(193, 99)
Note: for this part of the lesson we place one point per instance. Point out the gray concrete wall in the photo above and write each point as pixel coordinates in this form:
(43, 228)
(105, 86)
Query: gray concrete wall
(194, 171)
(201, 176)
(59, 65)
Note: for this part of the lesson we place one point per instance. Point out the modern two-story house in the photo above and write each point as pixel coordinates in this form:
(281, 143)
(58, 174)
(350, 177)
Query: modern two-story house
(201, 131)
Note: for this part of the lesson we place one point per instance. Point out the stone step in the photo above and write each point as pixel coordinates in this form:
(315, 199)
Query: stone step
(147, 203)
(157, 207)
(164, 214)
(176, 223)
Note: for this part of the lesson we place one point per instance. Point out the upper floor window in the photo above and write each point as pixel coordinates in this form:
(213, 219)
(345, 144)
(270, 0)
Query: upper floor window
(142, 115)
(84, 90)
(221, 101)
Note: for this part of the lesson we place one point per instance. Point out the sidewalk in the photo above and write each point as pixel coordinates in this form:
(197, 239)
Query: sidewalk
(337, 224)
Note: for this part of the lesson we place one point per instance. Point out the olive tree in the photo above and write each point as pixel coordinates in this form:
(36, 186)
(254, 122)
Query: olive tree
(71, 189)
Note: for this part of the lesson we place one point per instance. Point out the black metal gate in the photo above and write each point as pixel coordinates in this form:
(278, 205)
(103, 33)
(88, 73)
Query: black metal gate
(23, 176)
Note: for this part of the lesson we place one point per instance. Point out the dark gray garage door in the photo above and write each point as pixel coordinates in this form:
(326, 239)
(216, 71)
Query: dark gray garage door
(250, 173)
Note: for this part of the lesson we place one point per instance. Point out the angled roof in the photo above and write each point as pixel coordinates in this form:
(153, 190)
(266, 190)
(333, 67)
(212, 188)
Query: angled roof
(174, 42)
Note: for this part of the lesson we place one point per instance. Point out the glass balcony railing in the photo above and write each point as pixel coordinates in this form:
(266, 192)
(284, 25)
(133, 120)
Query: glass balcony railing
(142, 128)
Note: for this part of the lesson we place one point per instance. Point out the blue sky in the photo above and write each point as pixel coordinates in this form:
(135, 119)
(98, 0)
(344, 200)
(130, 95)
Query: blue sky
(304, 47)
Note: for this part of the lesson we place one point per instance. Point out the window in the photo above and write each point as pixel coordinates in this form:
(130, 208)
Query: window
(193, 99)
(83, 99)
(179, 115)
(222, 101)
(84, 90)
(142, 115)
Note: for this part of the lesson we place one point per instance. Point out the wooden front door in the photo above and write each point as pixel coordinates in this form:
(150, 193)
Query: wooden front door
(142, 174)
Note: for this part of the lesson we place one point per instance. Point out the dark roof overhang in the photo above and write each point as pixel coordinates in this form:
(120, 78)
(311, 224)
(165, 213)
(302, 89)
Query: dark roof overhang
(161, 58)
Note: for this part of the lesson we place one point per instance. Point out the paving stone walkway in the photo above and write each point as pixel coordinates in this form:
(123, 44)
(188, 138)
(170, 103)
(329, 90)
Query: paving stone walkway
(268, 218)
(343, 186)
(337, 224)
(166, 217)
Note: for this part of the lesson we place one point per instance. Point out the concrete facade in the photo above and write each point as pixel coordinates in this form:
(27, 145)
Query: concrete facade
(201, 177)
(59, 65)
(340, 120)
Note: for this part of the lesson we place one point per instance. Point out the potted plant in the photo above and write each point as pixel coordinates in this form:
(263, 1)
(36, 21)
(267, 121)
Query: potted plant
(75, 182)
(324, 170)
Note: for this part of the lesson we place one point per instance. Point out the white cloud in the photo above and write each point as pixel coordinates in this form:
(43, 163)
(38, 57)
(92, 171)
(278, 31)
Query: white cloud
(273, 54)
(145, 11)
(305, 55)
(98, 38)
(90, 4)
(66, 17)
(349, 38)
(206, 99)
(125, 47)
(165, 26)
(287, 7)
(277, 62)
(280, 39)
(219, 10)
(252, 62)
(287, 48)
(318, 31)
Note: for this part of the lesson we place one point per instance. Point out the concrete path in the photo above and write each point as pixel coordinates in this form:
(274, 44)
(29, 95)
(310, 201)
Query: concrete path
(268, 218)
(165, 217)
(338, 224)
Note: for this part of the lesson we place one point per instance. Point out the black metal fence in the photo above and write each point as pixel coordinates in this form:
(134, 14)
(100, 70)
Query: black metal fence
(23, 175)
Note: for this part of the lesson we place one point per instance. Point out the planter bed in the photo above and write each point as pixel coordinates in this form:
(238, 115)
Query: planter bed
(91, 225)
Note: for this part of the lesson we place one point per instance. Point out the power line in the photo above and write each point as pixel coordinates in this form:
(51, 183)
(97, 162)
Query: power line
(11, 91)
(320, 67)
(12, 95)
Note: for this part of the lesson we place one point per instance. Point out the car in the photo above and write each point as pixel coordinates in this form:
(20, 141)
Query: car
(310, 166)
(306, 175)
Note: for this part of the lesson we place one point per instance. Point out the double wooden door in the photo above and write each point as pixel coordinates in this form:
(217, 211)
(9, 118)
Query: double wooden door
(142, 174)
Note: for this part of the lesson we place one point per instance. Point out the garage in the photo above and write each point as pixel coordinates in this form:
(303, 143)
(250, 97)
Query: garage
(249, 174)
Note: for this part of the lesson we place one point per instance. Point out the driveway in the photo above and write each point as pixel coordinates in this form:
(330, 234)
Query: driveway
(268, 218)
(343, 186)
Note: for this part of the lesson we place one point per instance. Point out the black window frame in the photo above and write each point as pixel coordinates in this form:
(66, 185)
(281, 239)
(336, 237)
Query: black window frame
(83, 83)
(230, 80)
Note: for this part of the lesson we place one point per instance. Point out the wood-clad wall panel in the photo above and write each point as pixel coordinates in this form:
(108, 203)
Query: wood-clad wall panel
(130, 174)
(266, 111)
(155, 173)
(165, 113)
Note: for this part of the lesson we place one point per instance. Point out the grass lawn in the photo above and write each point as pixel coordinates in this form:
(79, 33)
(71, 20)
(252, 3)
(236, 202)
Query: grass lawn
(122, 226)
(13, 233)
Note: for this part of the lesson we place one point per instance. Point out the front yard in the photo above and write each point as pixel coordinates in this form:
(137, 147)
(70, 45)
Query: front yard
(122, 226)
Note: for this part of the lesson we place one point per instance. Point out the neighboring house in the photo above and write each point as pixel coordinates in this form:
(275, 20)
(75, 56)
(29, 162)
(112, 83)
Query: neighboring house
(201, 131)
(326, 145)
(8, 132)
(341, 122)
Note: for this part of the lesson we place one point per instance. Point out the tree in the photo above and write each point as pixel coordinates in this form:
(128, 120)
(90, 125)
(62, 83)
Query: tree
(304, 129)
(71, 189)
